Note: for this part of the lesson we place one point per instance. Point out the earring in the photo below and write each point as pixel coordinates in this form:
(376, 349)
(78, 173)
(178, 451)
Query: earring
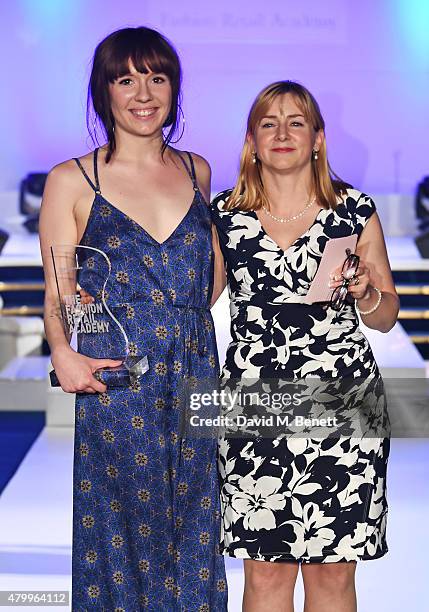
(254, 158)
(315, 154)
(180, 125)
(182, 129)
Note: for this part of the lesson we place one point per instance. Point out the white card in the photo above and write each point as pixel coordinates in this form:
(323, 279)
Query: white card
(333, 256)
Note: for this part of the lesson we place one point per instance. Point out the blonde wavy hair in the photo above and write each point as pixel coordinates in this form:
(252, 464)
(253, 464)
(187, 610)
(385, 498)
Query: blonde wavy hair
(249, 193)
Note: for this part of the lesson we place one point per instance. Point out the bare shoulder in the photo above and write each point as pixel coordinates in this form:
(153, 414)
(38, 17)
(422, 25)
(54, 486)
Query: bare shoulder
(204, 175)
(67, 177)
(202, 171)
(64, 187)
(202, 167)
(64, 174)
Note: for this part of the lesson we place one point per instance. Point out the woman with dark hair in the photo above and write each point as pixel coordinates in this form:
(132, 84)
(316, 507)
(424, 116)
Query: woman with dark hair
(293, 499)
(145, 499)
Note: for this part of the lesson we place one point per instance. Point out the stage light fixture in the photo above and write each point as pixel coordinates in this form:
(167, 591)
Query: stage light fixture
(4, 236)
(422, 214)
(30, 199)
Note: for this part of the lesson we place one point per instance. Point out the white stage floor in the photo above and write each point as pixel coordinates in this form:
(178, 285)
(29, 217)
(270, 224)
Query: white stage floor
(35, 529)
(35, 508)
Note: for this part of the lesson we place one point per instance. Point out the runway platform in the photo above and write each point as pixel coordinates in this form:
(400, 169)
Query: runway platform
(35, 529)
(35, 507)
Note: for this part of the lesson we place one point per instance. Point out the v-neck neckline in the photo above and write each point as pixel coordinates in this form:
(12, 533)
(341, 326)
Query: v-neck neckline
(144, 230)
(303, 235)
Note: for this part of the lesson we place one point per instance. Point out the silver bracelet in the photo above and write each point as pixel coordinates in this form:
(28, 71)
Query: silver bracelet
(374, 308)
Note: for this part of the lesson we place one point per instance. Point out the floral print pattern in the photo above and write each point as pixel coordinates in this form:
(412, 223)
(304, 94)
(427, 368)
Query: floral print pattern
(305, 499)
(139, 485)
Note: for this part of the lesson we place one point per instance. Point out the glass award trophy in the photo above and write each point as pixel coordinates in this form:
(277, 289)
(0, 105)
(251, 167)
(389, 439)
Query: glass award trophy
(94, 311)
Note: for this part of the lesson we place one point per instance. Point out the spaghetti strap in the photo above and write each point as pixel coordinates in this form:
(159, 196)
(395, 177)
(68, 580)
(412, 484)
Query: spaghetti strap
(97, 182)
(191, 172)
(191, 161)
(95, 187)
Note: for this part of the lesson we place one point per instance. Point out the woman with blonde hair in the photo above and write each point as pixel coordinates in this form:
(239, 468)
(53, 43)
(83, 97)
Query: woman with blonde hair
(310, 501)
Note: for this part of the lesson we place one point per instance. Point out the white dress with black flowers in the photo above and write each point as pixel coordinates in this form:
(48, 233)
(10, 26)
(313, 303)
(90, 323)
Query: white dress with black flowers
(306, 498)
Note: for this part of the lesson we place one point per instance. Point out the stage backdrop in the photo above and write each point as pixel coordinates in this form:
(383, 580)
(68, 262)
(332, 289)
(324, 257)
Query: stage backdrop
(366, 62)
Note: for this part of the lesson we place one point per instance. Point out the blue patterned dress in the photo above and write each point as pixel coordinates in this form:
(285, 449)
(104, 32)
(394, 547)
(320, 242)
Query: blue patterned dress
(145, 500)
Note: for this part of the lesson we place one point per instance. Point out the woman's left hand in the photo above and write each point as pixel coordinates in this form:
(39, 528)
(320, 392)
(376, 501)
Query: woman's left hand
(358, 285)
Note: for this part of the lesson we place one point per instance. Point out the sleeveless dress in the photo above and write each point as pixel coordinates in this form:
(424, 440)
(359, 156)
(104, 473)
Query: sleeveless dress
(145, 499)
(300, 498)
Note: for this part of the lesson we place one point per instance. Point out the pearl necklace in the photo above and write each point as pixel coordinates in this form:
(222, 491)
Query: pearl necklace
(288, 219)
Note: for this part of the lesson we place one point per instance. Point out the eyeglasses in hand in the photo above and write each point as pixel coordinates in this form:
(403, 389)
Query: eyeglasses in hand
(348, 272)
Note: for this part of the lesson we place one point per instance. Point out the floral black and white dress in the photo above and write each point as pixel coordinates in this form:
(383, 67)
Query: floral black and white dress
(306, 499)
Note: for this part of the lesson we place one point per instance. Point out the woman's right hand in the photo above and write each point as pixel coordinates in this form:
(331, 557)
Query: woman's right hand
(75, 372)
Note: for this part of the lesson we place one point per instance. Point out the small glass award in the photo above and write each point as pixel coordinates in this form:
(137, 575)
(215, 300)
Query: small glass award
(94, 312)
